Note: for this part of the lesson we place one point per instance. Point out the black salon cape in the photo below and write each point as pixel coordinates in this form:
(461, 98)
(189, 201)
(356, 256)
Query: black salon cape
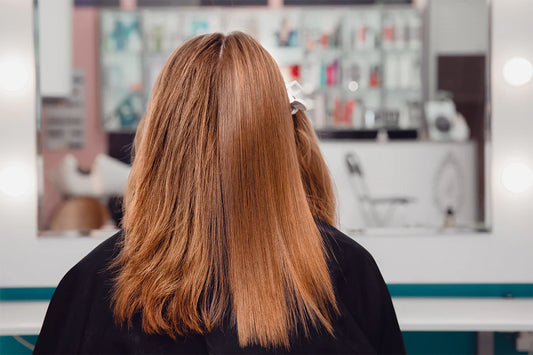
(79, 318)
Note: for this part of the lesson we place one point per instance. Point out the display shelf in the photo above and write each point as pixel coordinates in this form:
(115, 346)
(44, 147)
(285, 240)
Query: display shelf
(390, 136)
(287, 55)
(157, 53)
(361, 91)
(350, 51)
(401, 90)
(327, 51)
(354, 134)
(121, 52)
(406, 50)
(371, 59)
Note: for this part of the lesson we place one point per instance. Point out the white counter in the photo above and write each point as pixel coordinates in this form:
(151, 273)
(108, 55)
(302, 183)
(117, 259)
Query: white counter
(465, 314)
(414, 314)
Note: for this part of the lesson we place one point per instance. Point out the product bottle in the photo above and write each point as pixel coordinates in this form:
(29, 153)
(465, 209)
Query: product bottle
(387, 33)
(449, 221)
(374, 77)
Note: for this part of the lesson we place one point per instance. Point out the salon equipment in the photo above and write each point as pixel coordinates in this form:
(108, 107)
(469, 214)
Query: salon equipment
(80, 213)
(444, 122)
(107, 177)
(448, 188)
(368, 204)
(70, 180)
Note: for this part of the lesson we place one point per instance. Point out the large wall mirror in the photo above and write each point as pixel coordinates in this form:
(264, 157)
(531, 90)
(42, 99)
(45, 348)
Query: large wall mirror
(399, 92)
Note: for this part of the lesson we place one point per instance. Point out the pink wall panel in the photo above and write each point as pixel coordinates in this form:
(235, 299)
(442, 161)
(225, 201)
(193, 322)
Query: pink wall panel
(85, 57)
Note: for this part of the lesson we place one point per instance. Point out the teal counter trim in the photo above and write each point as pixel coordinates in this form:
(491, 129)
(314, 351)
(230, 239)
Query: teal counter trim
(26, 294)
(461, 290)
(396, 290)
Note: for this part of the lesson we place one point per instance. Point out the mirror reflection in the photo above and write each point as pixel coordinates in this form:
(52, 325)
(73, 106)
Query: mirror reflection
(397, 92)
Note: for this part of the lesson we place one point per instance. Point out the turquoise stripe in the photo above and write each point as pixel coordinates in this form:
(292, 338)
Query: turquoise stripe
(440, 343)
(396, 290)
(26, 294)
(9, 345)
(461, 290)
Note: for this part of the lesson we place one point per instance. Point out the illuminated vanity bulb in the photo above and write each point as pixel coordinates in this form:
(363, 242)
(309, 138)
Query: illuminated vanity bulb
(14, 74)
(15, 180)
(517, 177)
(517, 71)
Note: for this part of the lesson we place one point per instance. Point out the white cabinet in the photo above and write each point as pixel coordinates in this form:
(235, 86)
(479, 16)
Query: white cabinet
(414, 183)
(55, 47)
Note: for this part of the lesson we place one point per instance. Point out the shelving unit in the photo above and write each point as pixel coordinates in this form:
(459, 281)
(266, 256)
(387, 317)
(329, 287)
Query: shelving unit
(121, 70)
(360, 65)
(372, 93)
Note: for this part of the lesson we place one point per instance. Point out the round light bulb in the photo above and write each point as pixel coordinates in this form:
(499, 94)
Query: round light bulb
(517, 71)
(517, 177)
(14, 75)
(15, 180)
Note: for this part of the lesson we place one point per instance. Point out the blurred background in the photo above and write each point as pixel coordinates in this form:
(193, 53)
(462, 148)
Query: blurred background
(398, 94)
(423, 111)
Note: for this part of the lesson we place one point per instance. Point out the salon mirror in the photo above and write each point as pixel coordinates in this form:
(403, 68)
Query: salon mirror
(399, 92)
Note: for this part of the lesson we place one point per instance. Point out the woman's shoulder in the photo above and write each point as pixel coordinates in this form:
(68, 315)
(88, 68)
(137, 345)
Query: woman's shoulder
(354, 271)
(105, 251)
(362, 294)
(78, 310)
(96, 262)
(347, 252)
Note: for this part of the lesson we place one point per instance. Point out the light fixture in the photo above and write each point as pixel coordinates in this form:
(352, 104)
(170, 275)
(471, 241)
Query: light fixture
(14, 74)
(517, 177)
(15, 180)
(517, 71)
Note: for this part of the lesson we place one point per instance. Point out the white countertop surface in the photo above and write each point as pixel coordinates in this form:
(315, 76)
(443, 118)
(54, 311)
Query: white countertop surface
(22, 317)
(465, 314)
(414, 314)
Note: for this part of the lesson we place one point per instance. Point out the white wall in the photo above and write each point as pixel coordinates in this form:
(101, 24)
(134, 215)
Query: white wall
(55, 47)
(455, 27)
(504, 256)
(24, 260)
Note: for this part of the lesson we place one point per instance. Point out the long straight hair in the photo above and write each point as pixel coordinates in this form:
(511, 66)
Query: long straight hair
(219, 207)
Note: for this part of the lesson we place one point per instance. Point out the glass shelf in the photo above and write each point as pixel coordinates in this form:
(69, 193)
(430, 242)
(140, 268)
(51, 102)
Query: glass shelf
(348, 47)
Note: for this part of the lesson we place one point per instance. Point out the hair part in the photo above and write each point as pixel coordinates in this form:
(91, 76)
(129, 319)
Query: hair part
(220, 203)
